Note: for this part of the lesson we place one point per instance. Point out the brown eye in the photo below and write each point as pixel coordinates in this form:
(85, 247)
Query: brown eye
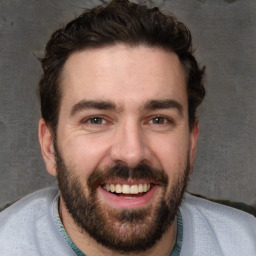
(159, 120)
(96, 120)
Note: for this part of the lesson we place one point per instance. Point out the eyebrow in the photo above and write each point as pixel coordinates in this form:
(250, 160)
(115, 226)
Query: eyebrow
(92, 104)
(164, 104)
(109, 105)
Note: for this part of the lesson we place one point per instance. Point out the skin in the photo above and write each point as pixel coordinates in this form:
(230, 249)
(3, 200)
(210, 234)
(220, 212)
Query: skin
(130, 132)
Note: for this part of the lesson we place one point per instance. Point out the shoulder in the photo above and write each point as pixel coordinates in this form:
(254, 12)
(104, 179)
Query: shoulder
(34, 203)
(28, 224)
(218, 226)
(212, 210)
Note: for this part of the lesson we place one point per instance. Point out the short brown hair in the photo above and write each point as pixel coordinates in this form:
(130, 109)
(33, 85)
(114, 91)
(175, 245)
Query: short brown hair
(120, 21)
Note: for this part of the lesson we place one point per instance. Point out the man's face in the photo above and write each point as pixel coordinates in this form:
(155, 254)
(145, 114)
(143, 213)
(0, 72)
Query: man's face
(123, 145)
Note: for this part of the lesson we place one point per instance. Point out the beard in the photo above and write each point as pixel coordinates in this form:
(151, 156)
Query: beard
(121, 230)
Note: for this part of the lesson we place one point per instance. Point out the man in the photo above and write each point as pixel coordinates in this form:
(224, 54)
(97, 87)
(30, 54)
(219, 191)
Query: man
(119, 94)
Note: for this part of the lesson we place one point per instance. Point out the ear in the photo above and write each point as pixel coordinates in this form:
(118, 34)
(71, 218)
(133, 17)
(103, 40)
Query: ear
(193, 144)
(47, 148)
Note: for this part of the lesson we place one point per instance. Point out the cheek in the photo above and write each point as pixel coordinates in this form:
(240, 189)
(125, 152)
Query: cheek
(84, 154)
(173, 158)
(171, 153)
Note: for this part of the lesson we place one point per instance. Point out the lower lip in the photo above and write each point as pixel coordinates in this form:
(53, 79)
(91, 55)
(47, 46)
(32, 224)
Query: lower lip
(135, 202)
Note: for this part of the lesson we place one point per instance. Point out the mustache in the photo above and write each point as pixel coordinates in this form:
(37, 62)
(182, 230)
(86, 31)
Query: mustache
(141, 171)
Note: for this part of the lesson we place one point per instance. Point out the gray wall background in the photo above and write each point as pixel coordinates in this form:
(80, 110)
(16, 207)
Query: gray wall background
(224, 35)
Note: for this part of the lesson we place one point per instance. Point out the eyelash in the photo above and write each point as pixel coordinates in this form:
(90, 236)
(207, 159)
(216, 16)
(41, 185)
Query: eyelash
(90, 119)
(163, 120)
(103, 120)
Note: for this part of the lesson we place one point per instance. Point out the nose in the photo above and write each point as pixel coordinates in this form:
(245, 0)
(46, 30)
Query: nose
(129, 145)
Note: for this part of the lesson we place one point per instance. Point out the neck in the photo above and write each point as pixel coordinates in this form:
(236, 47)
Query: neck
(90, 247)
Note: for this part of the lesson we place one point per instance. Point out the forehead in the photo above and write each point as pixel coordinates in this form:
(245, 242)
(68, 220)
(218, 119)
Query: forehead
(122, 74)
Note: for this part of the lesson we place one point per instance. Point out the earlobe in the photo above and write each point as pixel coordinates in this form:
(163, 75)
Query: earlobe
(193, 144)
(47, 147)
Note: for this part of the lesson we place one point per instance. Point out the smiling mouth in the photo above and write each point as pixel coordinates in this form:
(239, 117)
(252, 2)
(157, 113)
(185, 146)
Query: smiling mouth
(128, 191)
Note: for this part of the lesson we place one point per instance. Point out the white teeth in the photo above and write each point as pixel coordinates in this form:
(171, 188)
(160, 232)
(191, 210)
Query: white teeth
(134, 189)
(127, 189)
(118, 188)
(112, 188)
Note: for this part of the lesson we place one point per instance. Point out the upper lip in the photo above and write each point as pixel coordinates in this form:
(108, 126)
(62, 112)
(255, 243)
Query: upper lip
(128, 182)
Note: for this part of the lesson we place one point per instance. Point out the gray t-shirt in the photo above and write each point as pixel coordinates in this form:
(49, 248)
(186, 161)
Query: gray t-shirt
(29, 228)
